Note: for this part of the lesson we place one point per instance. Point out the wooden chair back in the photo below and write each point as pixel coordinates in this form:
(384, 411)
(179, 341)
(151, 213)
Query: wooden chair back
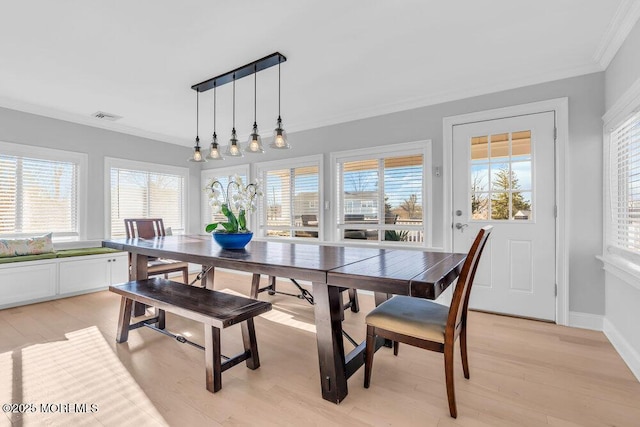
(460, 301)
(144, 228)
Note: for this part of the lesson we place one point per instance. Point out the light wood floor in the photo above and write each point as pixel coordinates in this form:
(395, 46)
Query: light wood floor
(523, 373)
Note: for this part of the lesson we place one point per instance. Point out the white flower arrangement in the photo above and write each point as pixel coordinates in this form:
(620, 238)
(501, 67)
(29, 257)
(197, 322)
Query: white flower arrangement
(236, 196)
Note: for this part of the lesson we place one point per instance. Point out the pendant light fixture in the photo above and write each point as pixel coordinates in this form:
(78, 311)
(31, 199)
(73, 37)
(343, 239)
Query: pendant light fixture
(214, 152)
(255, 142)
(197, 155)
(279, 135)
(233, 149)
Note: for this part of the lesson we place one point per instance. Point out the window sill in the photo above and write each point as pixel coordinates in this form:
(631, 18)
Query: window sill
(622, 268)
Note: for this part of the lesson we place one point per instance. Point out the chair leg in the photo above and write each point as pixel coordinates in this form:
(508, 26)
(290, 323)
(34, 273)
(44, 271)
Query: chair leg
(185, 275)
(448, 371)
(396, 346)
(272, 285)
(368, 355)
(353, 300)
(463, 351)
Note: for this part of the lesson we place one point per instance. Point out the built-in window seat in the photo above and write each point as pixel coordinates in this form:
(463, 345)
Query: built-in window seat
(26, 279)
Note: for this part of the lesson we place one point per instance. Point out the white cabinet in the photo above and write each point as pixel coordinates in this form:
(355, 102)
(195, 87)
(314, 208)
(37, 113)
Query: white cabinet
(92, 272)
(27, 281)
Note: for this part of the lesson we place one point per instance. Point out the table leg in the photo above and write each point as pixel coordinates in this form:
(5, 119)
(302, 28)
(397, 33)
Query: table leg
(207, 279)
(255, 285)
(328, 312)
(139, 271)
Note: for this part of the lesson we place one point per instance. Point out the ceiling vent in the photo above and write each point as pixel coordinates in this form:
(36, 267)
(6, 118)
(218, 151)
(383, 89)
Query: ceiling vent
(106, 116)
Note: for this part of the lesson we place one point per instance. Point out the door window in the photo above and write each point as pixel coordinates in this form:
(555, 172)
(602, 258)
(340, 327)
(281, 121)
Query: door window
(501, 177)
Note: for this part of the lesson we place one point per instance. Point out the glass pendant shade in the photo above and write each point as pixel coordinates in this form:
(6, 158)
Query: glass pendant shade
(254, 144)
(197, 155)
(233, 149)
(214, 151)
(280, 137)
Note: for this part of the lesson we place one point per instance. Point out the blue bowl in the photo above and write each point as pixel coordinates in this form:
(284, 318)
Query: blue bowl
(232, 240)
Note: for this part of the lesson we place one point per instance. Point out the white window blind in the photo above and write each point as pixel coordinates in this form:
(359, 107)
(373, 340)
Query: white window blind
(38, 196)
(291, 202)
(380, 198)
(144, 194)
(624, 224)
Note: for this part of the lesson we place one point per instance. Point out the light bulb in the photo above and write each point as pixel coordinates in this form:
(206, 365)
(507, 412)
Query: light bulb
(280, 137)
(197, 156)
(254, 145)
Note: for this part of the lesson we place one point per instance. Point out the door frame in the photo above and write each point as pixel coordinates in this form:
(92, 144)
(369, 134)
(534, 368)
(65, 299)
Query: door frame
(560, 108)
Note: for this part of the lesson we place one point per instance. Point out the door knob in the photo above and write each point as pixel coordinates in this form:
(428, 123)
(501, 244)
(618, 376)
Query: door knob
(461, 226)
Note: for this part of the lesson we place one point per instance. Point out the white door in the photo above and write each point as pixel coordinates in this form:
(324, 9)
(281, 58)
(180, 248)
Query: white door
(503, 175)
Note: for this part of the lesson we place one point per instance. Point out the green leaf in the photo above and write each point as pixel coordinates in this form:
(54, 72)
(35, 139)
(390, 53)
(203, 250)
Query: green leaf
(242, 220)
(231, 217)
(231, 228)
(209, 228)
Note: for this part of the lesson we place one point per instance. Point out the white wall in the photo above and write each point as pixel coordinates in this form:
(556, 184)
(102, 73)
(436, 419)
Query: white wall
(622, 291)
(38, 131)
(586, 106)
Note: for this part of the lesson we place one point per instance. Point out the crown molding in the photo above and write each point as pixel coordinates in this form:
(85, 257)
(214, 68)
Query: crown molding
(443, 97)
(66, 116)
(621, 24)
(625, 106)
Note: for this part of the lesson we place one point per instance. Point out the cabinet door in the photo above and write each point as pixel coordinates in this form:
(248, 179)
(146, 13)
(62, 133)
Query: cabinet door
(120, 268)
(27, 282)
(85, 274)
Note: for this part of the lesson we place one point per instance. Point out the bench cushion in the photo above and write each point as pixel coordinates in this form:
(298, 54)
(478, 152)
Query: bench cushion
(8, 260)
(84, 251)
(203, 305)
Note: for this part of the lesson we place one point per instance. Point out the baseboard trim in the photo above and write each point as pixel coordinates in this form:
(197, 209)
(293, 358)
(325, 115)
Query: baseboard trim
(622, 346)
(585, 320)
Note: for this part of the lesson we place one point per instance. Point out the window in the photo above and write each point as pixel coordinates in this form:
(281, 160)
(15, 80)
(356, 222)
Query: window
(623, 231)
(501, 184)
(40, 191)
(223, 175)
(292, 198)
(144, 190)
(381, 196)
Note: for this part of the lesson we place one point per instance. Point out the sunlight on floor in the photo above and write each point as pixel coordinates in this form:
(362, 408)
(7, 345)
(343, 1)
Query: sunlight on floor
(278, 316)
(79, 381)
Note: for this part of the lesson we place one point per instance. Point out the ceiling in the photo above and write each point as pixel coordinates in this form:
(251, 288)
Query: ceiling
(346, 59)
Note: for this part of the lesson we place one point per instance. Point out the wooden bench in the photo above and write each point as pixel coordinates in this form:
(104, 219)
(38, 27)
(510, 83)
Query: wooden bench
(215, 309)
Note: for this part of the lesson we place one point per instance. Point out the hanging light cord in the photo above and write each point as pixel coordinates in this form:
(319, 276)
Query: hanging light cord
(197, 116)
(278, 89)
(234, 101)
(255, 97)
(214, 110)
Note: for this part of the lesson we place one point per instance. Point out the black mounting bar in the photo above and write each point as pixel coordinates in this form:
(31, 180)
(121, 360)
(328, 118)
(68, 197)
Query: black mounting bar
(240, 72)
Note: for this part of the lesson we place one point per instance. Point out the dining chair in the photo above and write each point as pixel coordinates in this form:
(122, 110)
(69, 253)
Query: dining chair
(426, 324)
(150, 228)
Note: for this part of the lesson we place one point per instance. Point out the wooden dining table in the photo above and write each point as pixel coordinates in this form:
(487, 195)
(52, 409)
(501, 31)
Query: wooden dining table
(330, 269)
